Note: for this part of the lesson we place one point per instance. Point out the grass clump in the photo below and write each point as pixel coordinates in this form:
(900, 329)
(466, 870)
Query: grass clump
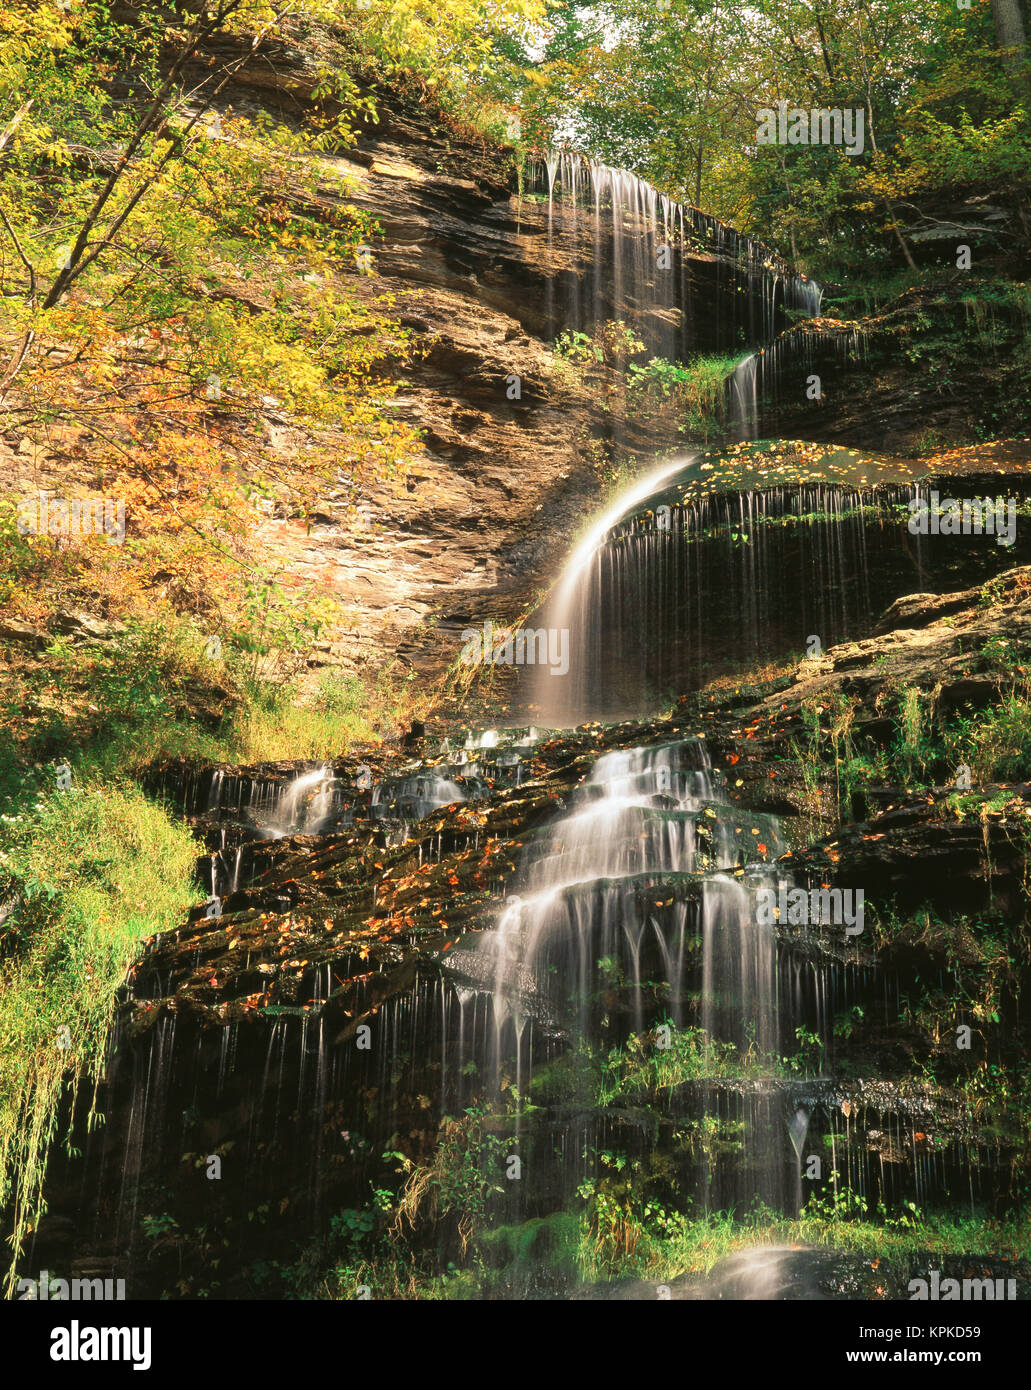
(652, 1065)
(151, 692)
(924, 750)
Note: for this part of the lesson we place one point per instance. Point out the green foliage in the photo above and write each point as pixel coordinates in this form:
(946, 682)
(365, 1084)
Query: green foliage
(696, 391)
(85, 875)
(154, 690)
(963, 153)
(995, 743)
(692, 395)
(610, 344)
(672, 93)
(463, 1182)
(579, 347)
(926, 748)
(544, 1249)
(809, 1057)
(645, 1070)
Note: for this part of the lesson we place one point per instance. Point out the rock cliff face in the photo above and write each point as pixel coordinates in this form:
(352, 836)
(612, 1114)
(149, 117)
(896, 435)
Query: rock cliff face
(500, 485)
(240, 1036)
(468, 533)
(943, 364)
(463, 531)
(467, 530)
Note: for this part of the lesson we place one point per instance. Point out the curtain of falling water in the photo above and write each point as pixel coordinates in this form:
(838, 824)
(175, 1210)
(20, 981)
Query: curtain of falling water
(630, 222)
(780, 372)
(587, 948)
(588, 891)
(727, 579)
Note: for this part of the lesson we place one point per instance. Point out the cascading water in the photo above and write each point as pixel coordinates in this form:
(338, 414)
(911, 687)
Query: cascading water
(640, 247)
(645, 239)
(245, 811)
(574, 602)
(644, 815)
(675, 584)
(411, 798)
(633, 909)
(620, 224)
(781, 371)
(304, 806)
(744, 398)
(639, 904)
(314, 802)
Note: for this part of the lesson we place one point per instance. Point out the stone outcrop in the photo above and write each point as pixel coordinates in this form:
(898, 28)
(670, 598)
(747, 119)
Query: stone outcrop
(500, 486)
(248, 1023)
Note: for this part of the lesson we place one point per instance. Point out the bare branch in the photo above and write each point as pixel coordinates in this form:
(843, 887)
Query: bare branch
(21, 256)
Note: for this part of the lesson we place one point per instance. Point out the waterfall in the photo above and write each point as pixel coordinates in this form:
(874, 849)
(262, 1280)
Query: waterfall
(778, 373)
(304, 806)
(241, 811)
(573, 600)
(642, 273)
(675, 584)
(300, 807)
(585, 895)
(744, 398)
(632, 913)
(642, 238)
(631, 879)
(639, 904)
(411, 798)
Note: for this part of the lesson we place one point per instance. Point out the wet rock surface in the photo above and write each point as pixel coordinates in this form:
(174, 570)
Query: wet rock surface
(241, 1032)
(330, 1003)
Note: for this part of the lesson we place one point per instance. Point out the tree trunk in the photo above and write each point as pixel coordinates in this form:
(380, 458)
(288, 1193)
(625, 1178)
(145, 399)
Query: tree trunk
(889, 206)
(1010, 36)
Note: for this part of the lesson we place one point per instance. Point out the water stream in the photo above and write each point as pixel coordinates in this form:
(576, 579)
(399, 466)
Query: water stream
(644, 820)
(629, 919)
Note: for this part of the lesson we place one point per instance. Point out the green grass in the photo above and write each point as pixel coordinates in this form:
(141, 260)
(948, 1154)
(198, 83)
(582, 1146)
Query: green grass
(670, 1243)
(693, 394)
(85, 874)
(996, 743)
(571, 1249)
(645, 1071)
(87, 871)
(340, 712)
(150, 694)
(696, 391)
(924, 750)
